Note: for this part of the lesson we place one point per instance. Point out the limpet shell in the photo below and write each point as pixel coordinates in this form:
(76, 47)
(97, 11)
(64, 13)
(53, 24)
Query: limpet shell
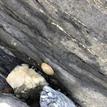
(47, 69)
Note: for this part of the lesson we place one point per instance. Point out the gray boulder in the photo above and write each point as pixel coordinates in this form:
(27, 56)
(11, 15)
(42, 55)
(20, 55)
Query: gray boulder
(51, 98)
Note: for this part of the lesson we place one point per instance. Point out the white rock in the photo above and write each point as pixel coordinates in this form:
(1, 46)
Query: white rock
(25, 80)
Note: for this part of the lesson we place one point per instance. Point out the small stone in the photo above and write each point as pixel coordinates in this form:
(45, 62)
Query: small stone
(8, 100)
(47, 69)
(52, 98)
(25, 81)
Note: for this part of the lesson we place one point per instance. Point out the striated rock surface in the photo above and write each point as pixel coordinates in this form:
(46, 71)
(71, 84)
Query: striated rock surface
(7, 61)
(69, 35)
(25, 81)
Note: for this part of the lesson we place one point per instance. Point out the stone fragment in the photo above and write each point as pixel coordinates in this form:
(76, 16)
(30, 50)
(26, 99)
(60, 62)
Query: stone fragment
(25, 81)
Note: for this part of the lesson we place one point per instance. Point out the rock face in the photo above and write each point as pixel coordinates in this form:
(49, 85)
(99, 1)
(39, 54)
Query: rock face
(7, 100)
(69, 35)
(25, 81)
(51, 98)
(7, 61)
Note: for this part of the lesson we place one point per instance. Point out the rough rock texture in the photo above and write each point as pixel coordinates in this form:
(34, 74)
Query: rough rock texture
(8, 100)
(25, 81)
(70, 35)
(52, 98)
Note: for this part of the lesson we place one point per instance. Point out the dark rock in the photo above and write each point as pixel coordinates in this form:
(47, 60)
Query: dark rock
(7, 61)
(69, 35)
(4, 86)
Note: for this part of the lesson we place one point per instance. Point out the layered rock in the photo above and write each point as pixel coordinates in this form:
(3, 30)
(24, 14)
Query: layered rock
(69, 35)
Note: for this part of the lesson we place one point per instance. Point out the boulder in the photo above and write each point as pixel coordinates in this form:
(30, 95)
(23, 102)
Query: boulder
(53, 98)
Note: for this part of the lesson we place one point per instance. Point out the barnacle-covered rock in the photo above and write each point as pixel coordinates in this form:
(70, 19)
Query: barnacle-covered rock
(8, 100)
(25, 81)
(52, 98)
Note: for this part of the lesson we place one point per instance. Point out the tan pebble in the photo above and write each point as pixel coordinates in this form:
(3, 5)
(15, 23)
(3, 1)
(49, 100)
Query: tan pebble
(47, 69)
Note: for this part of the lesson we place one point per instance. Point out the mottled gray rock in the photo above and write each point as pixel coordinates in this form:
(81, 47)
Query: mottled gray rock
(8, 100)
(51, 98)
